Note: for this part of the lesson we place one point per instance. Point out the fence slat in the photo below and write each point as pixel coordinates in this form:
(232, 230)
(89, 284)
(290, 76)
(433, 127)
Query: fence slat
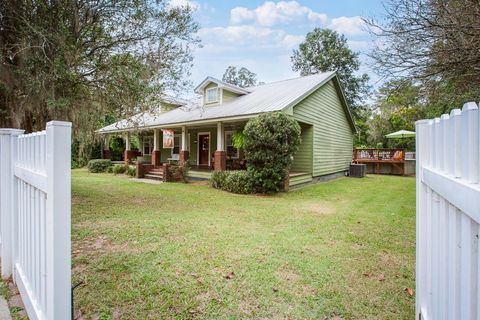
(35, 214)
(448, 215)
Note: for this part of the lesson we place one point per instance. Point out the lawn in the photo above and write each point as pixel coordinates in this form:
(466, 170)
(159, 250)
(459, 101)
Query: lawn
(344, 249)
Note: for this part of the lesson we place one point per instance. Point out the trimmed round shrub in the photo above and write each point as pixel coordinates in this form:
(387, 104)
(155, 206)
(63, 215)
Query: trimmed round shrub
(118, 169)
(99, 165)
(218, 178)
(271, 140)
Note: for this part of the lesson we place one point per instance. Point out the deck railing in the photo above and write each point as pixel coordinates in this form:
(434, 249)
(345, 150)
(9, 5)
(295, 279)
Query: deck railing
(376, 154)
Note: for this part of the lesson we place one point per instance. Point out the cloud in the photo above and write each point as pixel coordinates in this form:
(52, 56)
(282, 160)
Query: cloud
(248, 36)
(352, 26)
(270, 13)
(184, 3)
(240, 35)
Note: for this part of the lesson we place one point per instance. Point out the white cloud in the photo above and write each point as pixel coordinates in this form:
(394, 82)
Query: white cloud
(184, 3)
(271, 13)
(352, 26)
(240, 35)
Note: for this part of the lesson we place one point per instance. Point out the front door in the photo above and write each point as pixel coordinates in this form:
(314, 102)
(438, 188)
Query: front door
(203, 149)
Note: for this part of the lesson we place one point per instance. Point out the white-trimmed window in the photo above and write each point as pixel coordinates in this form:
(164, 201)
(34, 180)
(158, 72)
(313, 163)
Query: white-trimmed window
(211, 95)
(147, 145)
(177, 140)
(232, 152)
(177, 143)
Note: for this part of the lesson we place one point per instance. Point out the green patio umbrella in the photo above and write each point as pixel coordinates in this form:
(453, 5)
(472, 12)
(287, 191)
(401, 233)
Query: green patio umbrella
(401, 134)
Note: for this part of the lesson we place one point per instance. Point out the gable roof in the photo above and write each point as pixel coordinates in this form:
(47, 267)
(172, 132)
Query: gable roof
(221, 84)
(275, 96)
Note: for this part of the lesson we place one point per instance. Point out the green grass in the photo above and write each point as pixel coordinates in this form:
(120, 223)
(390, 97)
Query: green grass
(343, 248)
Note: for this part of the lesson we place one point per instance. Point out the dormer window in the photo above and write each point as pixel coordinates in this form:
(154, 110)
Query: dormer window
(211, 95)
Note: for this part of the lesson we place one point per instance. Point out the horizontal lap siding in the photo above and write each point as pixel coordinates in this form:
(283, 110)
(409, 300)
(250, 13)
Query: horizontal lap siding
(293, 181)
(302, 161)
(332, 133)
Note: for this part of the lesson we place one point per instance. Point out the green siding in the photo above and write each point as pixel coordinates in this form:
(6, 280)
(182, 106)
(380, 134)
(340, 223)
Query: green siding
(303, 161)
(199, 174)
(332, 133)
(293, 181)
(228, 96)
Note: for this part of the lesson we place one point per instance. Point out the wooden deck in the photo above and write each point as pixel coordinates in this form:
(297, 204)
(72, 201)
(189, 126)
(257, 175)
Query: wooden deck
(381, 161)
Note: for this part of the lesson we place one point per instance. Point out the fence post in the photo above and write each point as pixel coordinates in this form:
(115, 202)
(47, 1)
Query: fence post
(8, 147)
(58, 219)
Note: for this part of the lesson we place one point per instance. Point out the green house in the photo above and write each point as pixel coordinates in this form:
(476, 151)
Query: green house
(201, 131)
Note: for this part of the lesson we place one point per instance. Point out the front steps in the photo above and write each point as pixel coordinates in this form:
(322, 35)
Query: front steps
(155, 174)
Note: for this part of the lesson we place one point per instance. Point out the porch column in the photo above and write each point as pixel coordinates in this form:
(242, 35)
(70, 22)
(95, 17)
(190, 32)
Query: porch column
(106, 154)
(220, 154)
(184, 153)
(128, 149)
(156, 155)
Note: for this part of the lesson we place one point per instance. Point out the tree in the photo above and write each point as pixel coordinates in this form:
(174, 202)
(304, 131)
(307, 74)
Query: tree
(86, 61)
(242, 78)
(398, 105)
(429, 39)
(326, 50)
(271, 140)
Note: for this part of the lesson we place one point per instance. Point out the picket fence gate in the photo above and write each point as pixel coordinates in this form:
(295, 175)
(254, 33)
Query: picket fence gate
(448, 216)
(35, 216)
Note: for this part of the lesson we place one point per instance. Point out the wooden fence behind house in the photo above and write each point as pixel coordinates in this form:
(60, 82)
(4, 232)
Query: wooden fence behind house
(35, 214)
(448, 216)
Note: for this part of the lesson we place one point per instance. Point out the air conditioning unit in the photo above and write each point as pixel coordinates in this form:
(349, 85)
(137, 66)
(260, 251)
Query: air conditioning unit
(357, 170)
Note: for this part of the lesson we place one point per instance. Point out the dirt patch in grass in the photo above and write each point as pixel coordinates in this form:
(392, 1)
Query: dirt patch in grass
(317, 209)
(288, 275)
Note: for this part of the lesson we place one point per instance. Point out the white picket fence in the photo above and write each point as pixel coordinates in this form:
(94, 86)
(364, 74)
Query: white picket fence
(35, 215)
(448, 216)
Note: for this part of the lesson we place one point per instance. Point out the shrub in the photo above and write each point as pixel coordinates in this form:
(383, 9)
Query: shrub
(218, 178)
(131, 171)
(110, 169)
(98, 165)
(233, 181)
(119, 168)
(271, 140)
(180, 172)
(238, 182)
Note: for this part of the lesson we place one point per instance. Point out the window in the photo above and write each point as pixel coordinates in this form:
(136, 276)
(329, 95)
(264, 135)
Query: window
(232, 152)
(176, 144)
(212, 95)
(147, 145)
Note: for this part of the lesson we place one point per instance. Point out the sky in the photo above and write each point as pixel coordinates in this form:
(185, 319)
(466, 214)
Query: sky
(261, 35)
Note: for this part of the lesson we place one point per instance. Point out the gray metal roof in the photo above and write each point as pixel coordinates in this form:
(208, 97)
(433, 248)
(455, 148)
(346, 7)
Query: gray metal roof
(275, 96)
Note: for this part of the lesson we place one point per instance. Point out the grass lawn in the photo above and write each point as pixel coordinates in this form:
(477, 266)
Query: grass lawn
(342, 249)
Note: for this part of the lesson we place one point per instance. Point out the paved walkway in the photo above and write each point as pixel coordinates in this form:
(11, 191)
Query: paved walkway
(4, 310)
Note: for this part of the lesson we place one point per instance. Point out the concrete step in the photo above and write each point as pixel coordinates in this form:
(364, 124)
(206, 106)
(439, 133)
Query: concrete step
(154, 176)
(156, 170)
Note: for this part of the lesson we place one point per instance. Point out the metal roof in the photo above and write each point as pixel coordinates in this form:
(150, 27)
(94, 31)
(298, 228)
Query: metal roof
(275, 96)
